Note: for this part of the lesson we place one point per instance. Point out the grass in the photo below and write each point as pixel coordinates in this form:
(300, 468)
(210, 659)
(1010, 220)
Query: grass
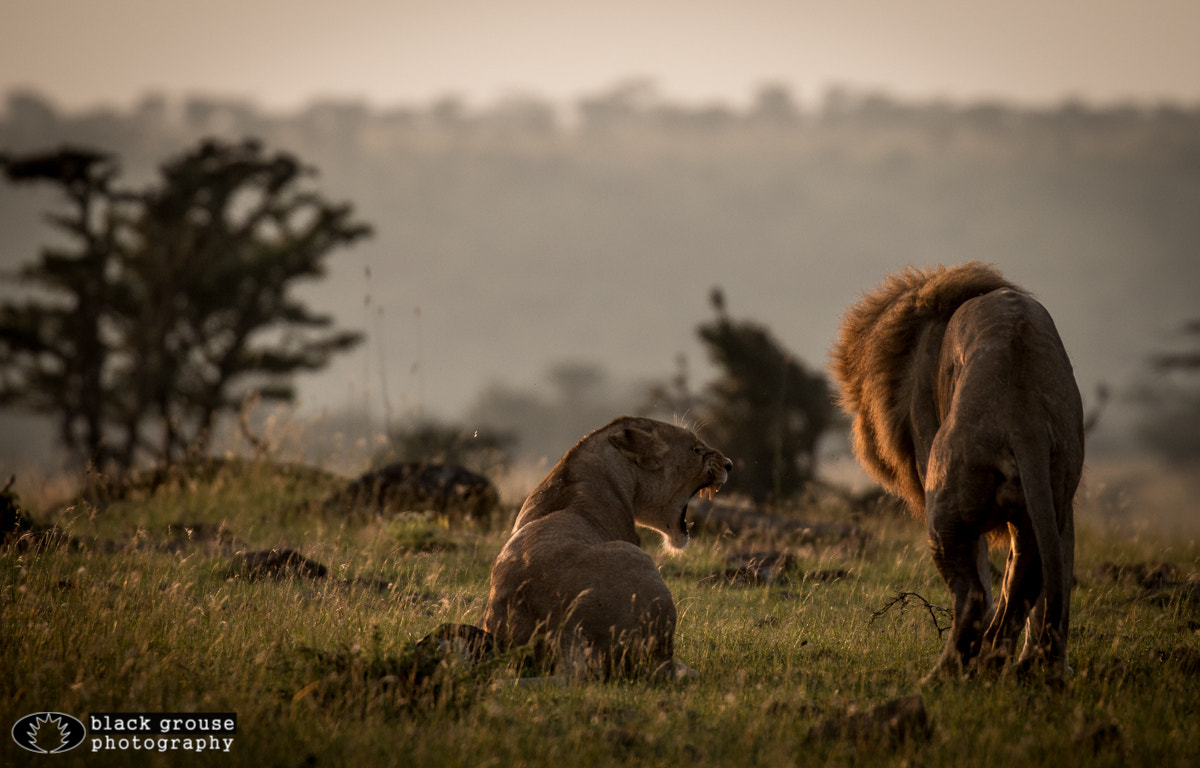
(144, 617)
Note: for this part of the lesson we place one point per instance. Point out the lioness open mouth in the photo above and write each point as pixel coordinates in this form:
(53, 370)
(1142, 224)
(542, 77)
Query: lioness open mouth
(708, 490)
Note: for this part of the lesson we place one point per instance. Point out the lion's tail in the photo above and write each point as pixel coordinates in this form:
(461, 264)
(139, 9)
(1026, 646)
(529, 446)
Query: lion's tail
(1033, 466)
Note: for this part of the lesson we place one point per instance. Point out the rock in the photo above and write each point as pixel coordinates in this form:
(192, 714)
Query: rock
(468, 643)
(275, 564)
(1101, 736)
(739, 520)
(22, 533)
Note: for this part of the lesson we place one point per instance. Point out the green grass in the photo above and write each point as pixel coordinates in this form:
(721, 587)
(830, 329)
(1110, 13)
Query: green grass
(142, 618)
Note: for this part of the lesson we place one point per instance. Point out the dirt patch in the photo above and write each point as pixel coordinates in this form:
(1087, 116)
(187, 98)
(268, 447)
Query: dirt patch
(770, 569)
(888, 725)
(214, 538)
(444, 489)
(1144, 575)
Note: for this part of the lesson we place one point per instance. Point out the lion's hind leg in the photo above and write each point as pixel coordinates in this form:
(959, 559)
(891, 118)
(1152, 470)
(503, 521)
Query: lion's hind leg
(955, 545)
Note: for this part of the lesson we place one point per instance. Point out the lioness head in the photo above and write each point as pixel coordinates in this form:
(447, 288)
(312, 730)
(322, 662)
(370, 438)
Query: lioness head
(669, 466)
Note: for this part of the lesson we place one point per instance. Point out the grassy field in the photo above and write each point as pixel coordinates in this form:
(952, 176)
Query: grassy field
(144, 611)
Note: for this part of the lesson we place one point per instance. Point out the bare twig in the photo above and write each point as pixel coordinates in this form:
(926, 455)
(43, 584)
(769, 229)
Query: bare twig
(902, 599)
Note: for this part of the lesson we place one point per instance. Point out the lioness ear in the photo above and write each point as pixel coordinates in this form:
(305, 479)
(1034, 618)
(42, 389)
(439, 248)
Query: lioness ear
(641, 447)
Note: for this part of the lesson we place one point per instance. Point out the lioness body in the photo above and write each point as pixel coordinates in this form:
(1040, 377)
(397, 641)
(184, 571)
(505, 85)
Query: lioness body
(966, 406)
(572, 574)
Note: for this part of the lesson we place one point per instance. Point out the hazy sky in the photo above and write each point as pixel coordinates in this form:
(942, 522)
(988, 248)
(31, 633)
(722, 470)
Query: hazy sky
(283, 53)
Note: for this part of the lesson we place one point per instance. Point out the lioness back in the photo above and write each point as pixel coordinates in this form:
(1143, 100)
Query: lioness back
(546, 584)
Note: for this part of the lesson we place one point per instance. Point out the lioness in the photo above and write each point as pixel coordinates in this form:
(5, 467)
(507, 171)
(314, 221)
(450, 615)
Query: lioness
(572, 576)
(965, 405)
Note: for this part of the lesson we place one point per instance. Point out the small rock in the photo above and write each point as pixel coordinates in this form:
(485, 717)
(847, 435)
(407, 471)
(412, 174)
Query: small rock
(275, 564)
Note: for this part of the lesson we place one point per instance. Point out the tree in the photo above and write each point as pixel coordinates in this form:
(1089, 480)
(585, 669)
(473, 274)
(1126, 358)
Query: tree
(52, 355)
(1171, 423)
(766, 411)
(179, 298)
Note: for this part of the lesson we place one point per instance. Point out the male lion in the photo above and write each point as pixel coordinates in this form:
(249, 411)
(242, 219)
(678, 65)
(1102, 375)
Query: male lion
(965, 405)
(572, 577)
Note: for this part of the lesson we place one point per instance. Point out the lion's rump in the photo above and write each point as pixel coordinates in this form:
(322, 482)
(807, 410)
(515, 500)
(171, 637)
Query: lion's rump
(873, 361)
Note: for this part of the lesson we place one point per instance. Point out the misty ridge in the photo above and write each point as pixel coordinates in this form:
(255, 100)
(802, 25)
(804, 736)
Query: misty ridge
(537, 266)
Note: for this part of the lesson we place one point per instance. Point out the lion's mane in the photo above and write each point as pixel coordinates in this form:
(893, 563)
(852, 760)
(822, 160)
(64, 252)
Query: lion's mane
(874, 357)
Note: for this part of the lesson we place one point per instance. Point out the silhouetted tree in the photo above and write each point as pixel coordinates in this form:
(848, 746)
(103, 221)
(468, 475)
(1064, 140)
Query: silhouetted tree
(53, 358)
(1171, 426)
(766, 411)
(177, 304)
(206, 300)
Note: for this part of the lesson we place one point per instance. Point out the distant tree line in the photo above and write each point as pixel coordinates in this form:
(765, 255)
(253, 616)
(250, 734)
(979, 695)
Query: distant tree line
(631, 107)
